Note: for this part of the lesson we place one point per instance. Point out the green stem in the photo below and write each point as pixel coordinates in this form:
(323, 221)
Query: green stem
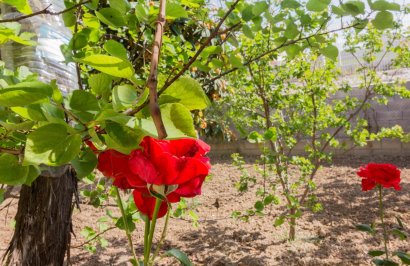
(146, 235)
(382, 220)
(152, 229)
(163, 235)
(127, 230)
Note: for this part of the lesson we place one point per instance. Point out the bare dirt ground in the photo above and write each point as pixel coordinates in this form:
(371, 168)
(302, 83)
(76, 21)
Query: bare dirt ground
(325, 238)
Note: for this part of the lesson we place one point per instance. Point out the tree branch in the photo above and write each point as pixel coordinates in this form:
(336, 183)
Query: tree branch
(10, 151)
(45, 11)
(153, 76)
(168, 83)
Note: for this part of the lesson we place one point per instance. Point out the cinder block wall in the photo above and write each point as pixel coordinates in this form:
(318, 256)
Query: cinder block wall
(396, 112)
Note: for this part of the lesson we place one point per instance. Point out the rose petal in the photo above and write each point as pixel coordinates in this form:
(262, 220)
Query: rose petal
(146, 204)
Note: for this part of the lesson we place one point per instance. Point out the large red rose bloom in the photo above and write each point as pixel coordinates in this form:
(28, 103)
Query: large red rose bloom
(177, 168)
(386, 175)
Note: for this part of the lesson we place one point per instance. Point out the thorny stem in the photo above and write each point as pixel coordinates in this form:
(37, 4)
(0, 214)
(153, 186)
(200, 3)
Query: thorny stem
(385, 237)
(127, 230)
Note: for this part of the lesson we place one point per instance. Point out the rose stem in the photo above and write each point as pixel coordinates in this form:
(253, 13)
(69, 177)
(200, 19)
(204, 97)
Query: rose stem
(382, 220)
(146, 234)
(152, 228)
(127, 230)
(163, 235)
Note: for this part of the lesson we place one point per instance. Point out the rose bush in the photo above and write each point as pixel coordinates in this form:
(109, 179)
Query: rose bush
(169, 169)
(386, 175)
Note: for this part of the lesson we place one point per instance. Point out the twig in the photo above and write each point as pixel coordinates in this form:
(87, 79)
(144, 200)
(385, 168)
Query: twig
(10, 151)
(94, 237)
(153, 76)
(45, 11)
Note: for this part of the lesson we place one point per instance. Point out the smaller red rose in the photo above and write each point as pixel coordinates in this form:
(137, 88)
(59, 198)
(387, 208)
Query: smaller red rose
(386, 175)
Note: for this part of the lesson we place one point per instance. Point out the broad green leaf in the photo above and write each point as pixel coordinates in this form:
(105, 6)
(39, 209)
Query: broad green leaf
(116, 49)
(11, 172)
(290, 4)
(111, 115)
(235, 61)
(188, 92)
(31, 112)
(83, 101)
(384, 262)
(293, 50)
(84, 163)
(247, 13)
(33, 173)
(174, 10)
(110, 65)
(247, 31)
(26, 125)
(383, 20)
(291, 31)
(399, 233)
(179, 255)
(100, 85)
(25, 93)
(69, 18)
(382, 5)
(51, 145)
(111, 17)
(177, 120)
(130, 224)
(354, 7)
(123, 96)
(125, 137)
(121, 5)
(317, 5)
(259, 8)
(22, 6)
(259, 206)
(279, 221)
(330, 52)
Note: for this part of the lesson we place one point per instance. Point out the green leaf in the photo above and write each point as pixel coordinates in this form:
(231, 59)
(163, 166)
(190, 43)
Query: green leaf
(130, 223)
(22, 6)
(279, 221)
(26, 125)
(293, 50)
(179, 255)
(83, 101)
(317, 5)
(259, 206)
(111, 17)
(123, 96)
(33, 173)
(330, 52)
(400, 234)
(291, 31)
(110, 65)
(404, 257)
(259, 8)
(375, 253)
(384, 262)
(188, 92)
(84, 163)
(354, 7)
(382, 5)
(51, 145)
(121, 5)
(177, 119)
(2, 191)
(365, 228)
(247, 13)
(116, 49)
(25, 93)
(235, 61)
(69, 18)
(292, 4)
(174, 10)
(383, 20)
(247, 31)
(11, 172)
(31, 112)
(124, 137)
(100, 85)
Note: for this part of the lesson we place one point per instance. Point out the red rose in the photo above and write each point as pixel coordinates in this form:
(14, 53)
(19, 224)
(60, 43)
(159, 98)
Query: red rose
(386, 175)
(172, 168)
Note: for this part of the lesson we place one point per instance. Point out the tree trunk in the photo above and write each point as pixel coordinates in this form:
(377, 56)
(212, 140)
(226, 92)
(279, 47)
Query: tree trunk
(292, 225)
(43, 219)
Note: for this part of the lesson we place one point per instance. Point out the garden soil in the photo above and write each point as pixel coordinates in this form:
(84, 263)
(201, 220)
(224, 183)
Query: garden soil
(328, 237)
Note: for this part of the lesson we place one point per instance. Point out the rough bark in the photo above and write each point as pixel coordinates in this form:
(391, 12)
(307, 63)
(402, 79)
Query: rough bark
(43, 220)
